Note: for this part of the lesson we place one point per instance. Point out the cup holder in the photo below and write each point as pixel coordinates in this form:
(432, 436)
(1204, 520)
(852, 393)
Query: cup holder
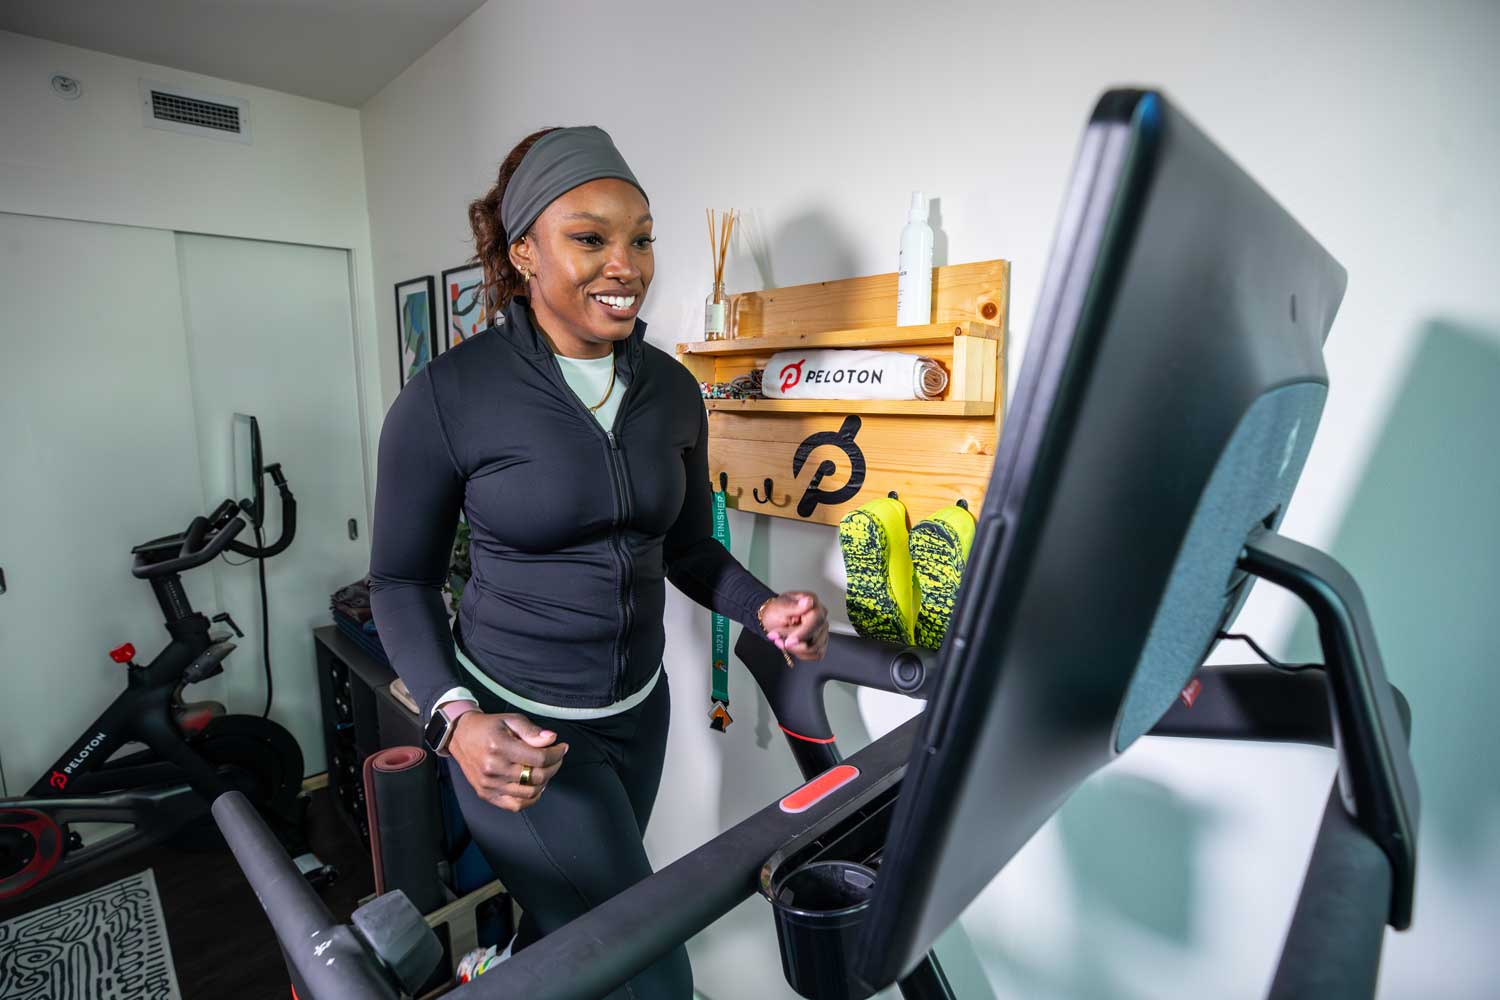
(818, 909)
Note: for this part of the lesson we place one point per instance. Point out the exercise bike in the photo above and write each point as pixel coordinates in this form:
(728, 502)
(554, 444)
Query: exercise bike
(194, 751)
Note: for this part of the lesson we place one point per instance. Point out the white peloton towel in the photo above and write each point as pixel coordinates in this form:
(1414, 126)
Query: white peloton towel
(853, 374)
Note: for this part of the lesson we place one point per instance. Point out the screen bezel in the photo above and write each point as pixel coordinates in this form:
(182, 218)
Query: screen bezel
(1112, 147)
(1165, 295)
(246, 458)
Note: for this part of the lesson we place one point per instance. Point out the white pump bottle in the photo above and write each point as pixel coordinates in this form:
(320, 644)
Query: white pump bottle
(914, 277)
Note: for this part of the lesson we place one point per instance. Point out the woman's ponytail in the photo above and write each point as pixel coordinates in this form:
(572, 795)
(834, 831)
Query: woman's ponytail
(491, 243)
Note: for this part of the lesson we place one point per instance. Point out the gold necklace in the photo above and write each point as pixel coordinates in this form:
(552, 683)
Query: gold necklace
(595, 407)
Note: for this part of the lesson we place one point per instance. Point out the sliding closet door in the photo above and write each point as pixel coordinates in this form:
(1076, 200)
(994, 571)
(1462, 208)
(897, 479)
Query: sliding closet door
(98, 452)
(270, 333)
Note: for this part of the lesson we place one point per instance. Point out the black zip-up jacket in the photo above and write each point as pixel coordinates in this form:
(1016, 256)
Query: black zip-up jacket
(572, 528)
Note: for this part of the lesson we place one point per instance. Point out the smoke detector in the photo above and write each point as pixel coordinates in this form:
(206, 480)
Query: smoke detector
(66, 87)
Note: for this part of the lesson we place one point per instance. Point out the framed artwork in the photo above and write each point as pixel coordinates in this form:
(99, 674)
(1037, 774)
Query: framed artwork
(416, 325)
(464, 312)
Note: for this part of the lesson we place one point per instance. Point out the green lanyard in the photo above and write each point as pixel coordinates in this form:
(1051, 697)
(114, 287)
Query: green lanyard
(718, 713)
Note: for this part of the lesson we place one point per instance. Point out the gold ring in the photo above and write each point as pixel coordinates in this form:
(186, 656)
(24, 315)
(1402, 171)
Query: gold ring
(526, 775)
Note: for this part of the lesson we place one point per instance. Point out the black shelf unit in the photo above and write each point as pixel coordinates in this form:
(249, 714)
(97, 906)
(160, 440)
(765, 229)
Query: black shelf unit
(360, 717)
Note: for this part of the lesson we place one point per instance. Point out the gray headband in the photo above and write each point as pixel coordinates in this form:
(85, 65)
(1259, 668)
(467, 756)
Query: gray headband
(559, 161)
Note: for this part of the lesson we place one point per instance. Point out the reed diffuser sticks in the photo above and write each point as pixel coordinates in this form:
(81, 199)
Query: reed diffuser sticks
(717, 324)
(719, 233)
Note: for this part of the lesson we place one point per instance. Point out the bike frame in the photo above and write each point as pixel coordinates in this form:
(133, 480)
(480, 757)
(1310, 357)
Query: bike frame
(141, 713)
(161, 789)
(154, 792)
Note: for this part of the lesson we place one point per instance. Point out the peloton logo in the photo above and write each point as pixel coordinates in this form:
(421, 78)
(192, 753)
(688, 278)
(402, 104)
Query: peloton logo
(83, 754)
(59, 780)
(792, 375)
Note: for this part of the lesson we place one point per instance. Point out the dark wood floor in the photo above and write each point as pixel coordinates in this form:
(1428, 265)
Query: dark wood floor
(222, 945)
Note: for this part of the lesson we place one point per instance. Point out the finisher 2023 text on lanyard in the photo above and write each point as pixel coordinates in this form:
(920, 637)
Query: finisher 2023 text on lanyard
(718, 714)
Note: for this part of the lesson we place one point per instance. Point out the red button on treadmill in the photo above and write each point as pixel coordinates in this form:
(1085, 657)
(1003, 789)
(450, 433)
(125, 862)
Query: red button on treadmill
(819, 788)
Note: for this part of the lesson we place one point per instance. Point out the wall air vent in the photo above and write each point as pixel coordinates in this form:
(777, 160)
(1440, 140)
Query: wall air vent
(177, 109)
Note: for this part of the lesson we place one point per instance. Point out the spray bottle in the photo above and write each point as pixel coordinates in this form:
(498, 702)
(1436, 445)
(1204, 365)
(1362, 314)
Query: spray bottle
(914, 277)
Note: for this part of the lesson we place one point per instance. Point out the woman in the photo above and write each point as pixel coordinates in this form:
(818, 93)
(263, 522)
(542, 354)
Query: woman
(579, 454)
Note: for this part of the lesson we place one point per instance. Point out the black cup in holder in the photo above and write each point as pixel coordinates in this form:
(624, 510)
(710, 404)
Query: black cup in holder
(818, 909)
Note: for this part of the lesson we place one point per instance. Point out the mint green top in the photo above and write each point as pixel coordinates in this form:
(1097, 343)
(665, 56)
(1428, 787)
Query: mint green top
(589, 378)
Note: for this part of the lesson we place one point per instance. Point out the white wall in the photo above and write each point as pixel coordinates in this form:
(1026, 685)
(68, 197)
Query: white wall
(300, 179)
(1374, 123)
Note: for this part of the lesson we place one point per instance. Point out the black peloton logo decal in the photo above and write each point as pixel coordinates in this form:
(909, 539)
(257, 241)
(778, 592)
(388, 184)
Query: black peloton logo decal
(843, 438)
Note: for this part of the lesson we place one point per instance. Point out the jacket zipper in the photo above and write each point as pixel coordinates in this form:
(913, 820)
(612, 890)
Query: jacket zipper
(621, 485)
(627, 568)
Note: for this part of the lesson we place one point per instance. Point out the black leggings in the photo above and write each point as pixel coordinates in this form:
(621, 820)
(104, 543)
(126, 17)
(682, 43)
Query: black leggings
(580, 843)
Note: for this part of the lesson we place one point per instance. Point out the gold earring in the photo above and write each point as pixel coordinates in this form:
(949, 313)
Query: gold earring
(525, 275)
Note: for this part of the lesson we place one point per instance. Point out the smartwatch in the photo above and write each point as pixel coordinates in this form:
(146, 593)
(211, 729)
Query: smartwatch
(441, 725)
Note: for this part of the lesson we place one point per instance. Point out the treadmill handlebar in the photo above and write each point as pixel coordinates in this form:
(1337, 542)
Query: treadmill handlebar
(593, 954)
(1333, 946)
(796, 693)
(324, 956)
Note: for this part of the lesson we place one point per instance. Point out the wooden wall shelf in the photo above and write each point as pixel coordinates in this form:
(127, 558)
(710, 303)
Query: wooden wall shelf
(886, 336)
(825, 457)
(905, 407)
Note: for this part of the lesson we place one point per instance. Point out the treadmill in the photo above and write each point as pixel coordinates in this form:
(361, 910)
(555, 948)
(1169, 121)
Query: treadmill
(1166, 405)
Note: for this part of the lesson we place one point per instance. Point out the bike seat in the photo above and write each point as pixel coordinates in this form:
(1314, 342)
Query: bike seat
(194, 716)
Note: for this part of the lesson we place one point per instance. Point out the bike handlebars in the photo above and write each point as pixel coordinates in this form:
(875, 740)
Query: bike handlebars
(288, 520)
(193, 552)
(207, 537)
(193, 541)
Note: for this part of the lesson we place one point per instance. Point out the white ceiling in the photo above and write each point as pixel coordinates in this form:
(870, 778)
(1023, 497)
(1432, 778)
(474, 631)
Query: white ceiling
(342, 51)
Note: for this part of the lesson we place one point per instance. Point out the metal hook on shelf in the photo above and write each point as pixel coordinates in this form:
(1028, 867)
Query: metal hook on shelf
(724, 487)
(785, 499)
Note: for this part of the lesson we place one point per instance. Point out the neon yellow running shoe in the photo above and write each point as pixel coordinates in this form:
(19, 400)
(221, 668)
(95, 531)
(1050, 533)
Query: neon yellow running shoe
(877, 561)
(939, 552)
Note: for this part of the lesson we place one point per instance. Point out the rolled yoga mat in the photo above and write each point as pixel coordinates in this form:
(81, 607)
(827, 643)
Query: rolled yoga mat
(852, 374)
(405, 832)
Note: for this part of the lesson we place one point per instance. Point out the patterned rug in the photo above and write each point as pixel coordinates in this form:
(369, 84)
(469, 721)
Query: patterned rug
(105, 944)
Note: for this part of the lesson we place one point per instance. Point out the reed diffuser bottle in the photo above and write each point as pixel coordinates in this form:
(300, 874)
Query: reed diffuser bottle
(718, 317)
